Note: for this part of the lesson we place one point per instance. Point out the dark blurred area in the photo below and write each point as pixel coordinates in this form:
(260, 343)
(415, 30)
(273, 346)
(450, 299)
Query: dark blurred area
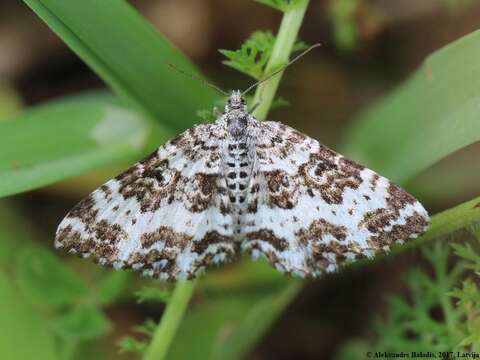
(327, 89)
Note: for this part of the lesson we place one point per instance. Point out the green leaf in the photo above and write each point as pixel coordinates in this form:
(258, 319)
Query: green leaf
(153, 294)
(148, 328)
(412, 324)
(45, 280)
(468, 253)
(66, 138)
(467, 294)
(129, 344)
(81, 324)
(281, 51)
(430, 116)
(22, 330)
(129, 55)
(252, 57)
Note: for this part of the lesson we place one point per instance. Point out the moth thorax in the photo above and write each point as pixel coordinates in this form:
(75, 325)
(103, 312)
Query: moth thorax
(237, 124)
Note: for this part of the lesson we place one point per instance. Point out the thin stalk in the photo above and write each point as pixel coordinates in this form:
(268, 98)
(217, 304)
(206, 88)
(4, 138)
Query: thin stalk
(286, 37)
(176, 306)
(264, 95)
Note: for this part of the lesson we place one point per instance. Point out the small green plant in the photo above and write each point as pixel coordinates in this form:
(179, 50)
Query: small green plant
(252, 57)
(441, 313)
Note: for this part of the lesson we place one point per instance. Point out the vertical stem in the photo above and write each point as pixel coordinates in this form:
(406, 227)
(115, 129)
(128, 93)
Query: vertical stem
(286, 37)
(170, 321)
(177, 305)
(264, 95)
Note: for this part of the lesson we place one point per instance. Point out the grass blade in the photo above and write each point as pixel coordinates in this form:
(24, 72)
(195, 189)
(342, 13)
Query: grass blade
(66, 138)
(129, 55)
(430, 116)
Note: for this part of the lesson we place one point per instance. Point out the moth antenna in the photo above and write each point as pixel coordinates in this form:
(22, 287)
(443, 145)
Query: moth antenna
(197, 78)
(282, 68)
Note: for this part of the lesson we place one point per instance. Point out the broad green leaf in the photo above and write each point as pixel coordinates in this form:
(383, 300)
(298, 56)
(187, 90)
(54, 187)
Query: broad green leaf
(44, 280)
(22, 331)
(81, 324)
(66, 138)
(433, 114)
(129, 55)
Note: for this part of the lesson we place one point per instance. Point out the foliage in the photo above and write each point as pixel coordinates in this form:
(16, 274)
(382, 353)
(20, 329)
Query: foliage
(116, 50)
(442, 312)
(414, 325)
(252, 57)
(392, 136)
(77, 136)
(132, 345)
(468, 296)
(43, 294)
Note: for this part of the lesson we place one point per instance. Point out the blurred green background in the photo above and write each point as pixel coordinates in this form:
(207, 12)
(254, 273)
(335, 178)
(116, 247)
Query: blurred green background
(373, 91)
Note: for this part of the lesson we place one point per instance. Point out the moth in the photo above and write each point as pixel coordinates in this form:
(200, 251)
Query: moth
(240, 185)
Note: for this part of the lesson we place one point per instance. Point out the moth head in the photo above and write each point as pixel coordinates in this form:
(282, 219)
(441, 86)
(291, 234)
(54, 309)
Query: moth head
(236, 114)
(236, 102)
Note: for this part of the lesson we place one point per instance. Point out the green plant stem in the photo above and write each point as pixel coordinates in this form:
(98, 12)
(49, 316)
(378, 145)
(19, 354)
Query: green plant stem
(264, 95)
(176, 306)
(286, 37)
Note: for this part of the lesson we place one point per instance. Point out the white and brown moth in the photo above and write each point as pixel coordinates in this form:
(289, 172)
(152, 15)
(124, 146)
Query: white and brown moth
(241, 185)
